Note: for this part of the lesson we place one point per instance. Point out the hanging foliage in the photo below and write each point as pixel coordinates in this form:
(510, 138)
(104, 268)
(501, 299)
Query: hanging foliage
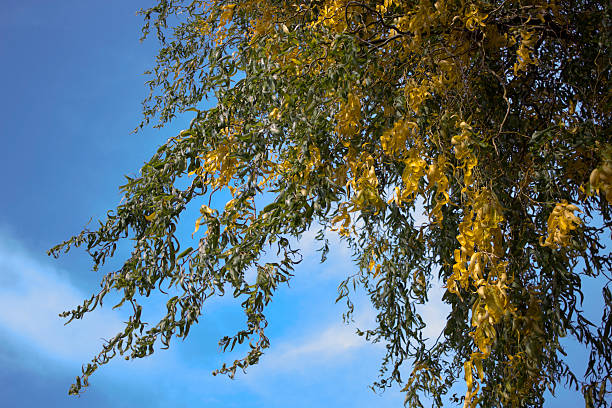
(353, 116)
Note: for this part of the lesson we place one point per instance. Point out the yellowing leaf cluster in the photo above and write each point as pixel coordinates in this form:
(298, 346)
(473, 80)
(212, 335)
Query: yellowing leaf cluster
(348, 118)
(561, 222)
(601, 180)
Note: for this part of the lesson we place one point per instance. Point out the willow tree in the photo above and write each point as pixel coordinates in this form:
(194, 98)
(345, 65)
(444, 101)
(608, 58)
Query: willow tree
(354, 117)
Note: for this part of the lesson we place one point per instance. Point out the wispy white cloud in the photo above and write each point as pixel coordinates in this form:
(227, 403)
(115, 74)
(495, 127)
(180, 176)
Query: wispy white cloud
(326, 344)
(334, 341)
(317, 346)
(32, 294)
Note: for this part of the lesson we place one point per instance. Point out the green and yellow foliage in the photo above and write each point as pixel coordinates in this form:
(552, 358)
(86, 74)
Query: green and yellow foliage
(491, 117)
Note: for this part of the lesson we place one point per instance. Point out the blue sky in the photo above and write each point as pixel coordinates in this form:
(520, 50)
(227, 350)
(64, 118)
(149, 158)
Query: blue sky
(72, 84)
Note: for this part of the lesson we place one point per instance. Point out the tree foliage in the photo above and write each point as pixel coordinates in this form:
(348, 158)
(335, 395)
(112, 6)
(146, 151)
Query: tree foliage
(491, 117)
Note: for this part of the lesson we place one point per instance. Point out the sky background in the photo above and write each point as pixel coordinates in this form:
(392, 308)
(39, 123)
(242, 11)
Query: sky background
(71, 85)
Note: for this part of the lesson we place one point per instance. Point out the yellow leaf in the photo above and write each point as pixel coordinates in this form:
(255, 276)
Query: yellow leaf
(227, 14)
(197, 225)
(478, 364)
(467, 367)
(206, 210)
(377, 270)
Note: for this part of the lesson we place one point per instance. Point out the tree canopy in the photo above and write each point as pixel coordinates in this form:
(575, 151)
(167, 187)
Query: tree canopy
(354, 117)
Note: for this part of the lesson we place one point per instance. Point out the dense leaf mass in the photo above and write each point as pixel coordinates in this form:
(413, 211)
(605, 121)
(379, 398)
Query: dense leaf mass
(490, 117)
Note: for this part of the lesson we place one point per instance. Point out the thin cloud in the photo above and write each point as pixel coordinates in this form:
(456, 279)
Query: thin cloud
(327, 344)
(333, 341)
(32, 295)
